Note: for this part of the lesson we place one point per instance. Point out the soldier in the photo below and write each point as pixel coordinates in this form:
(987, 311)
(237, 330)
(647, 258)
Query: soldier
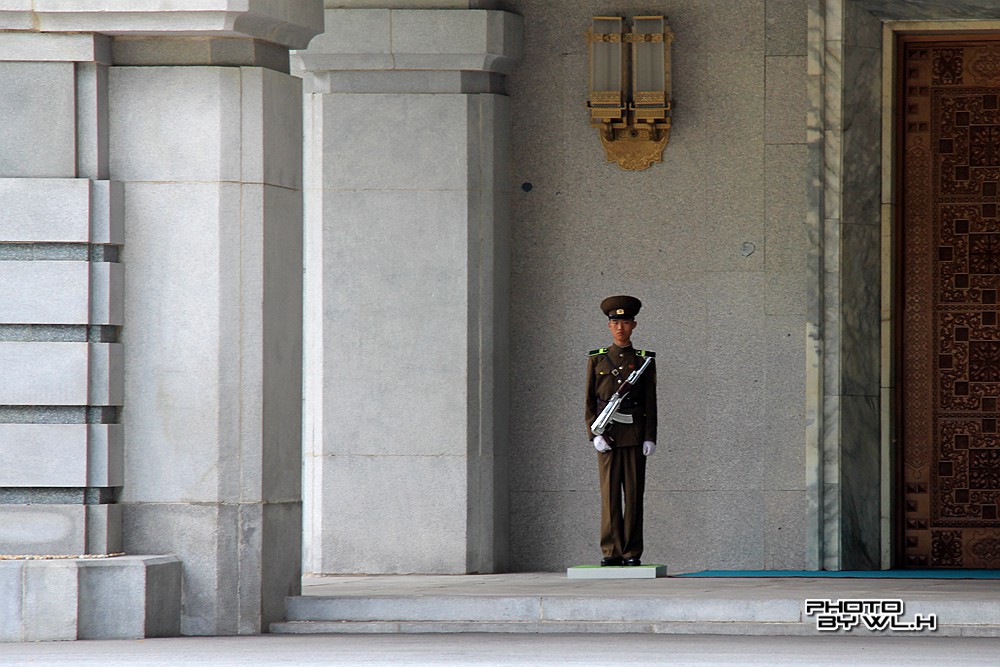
(631, 437)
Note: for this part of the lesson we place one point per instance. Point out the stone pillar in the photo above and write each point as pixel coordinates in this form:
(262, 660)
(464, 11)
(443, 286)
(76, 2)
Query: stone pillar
(150, 213)
(61, 306)
(406, 290)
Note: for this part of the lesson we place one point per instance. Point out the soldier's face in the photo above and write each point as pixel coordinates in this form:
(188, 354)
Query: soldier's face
(621, 331)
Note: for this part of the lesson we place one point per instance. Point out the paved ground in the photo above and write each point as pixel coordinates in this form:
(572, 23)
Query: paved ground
(513, 650)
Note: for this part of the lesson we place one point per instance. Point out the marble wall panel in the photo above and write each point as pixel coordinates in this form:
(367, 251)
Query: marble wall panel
(861, 28)
(354, 30)
(42, 529)
(281, 540)
(395, 236)
(11, 609)
(861, 317)
(44, 209)
(45, 292)
(45, 373)
(271, 149)
(443, 32)
(92, 117)
(107, 284)
(554, 529)
(43, 455)
(107, 214)
(930, 10)
(785, 532)
(281, 344)
(198, 534)
(860, 484)
(363, 131)
(159, 135)
(38, 135)
(123, 615)
(428, 492)
(104, 528)
(173, 357)
(786, 100)
(163, 596)
(786, 205)
(106, 381)
(710, 530)
(783, 455)
(52, 46)
(291, 24)
(50, 592)
(785, 33)
(862, 157)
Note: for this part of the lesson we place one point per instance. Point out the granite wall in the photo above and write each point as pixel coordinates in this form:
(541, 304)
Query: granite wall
(713, 240)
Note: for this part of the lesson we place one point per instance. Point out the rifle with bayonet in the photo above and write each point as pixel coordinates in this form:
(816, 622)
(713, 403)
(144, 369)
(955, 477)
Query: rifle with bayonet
(610, 412)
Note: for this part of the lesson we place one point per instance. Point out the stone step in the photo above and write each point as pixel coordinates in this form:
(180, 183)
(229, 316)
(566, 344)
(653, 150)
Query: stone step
(800, 629)
(451, 613)
(531, 608)
(538, 627)
(551, 602)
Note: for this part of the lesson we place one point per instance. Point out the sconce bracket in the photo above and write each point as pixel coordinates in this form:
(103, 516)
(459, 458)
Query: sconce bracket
(635, 149)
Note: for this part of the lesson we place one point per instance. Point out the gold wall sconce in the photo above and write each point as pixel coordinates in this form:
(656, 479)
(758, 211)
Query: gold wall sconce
(630, 88)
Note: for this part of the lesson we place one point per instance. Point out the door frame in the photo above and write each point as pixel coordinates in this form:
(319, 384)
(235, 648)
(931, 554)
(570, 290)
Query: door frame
(850, 378)
(893, 491)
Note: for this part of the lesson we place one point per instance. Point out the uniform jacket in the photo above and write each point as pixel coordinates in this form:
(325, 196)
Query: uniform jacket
(602, 381)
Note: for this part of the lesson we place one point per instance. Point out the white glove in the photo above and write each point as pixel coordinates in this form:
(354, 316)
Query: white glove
(600, 444)
(648, 448)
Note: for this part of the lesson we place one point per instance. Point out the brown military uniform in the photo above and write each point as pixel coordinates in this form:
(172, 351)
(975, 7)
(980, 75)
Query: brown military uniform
(623, 469)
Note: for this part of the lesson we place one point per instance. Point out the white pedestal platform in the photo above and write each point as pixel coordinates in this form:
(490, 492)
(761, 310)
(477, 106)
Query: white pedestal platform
(616, 572)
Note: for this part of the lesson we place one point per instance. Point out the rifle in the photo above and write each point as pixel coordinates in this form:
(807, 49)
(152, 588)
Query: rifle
(610, 412)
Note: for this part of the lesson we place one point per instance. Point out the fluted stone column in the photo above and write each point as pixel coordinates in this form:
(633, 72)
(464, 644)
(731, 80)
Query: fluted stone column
(406, 299)
(150, 216)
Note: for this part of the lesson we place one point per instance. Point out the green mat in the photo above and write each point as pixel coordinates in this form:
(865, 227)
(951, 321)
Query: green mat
(851, 574)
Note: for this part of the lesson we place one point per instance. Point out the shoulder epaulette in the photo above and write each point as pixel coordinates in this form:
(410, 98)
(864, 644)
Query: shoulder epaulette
(645, 353)
(598, 351)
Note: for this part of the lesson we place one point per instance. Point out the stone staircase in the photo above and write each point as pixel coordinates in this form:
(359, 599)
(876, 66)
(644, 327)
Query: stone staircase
(672, 606)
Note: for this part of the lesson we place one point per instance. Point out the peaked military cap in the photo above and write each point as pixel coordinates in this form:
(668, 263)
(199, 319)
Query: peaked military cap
(621, 307)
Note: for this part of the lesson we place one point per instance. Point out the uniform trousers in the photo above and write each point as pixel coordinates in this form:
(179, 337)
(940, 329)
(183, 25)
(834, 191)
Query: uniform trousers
(623, 473)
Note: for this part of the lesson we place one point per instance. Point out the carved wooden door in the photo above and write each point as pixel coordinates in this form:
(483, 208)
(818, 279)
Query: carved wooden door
(949, 231)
